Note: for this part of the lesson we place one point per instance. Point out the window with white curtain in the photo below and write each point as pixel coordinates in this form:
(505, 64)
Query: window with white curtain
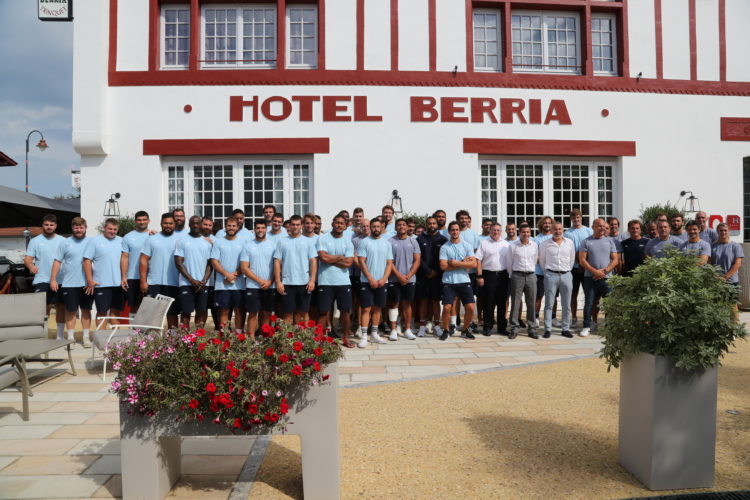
(547, 42)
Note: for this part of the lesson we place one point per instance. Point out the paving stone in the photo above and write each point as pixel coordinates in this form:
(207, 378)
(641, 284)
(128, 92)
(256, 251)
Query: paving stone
(477, 366)
(390, 362)
(203, 487)
(46, 465)
(423, 370)
(99, 407)
(84, 379)
(504, 353)
(374, 377)
(95, 447)
(436, 362)
(88, 431)
(363, 369)
(498, 358)
(380, 357)
(349, 364)
(50, 486)
(212, 464)
(57, 387)
(36, 446)
(104, 418)
(447, 355)
(107, 464)
(27, 431)
(212, 446)
(44, 418)
(17, 406)
(5, 461)
(54, 396)
(575, 346)
(111, 489)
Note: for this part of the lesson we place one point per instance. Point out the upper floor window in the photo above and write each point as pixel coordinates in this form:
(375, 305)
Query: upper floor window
(487, 35)
(302, 29)
(239, 36)
(175, 29)
(546, 42)
(603, 45)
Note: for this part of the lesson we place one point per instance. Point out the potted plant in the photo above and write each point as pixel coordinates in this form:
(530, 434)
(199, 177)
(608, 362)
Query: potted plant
(667, 328)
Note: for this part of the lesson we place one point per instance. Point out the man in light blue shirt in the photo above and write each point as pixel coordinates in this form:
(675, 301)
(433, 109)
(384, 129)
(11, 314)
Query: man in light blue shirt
(179, 222)
(101, 263)
(277, 227)
(472, 238)
(576, 232)
(243, 233)
(544, 233)
(69, 259)
(309, 226)
(157, 269)
(230, 282)
(375, 258)
(256, 263)
(191, 257)
(336, 254)
(132, 243)
(402, 281)
(386, 215)
(40, 255)
(456, 261)
(295, 269)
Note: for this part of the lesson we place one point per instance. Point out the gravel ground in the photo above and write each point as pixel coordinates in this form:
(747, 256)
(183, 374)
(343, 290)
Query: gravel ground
(544, 431)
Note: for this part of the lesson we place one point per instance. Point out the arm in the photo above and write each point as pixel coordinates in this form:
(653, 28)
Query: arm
(89, 272)
(124, 259)
(277, 276)
(228, 277)
(583, 260)
(366, 272)
(414, 266)
(179, 262)
(329, 259)
(28, 261)
(543, 257)
(245, 269)
(53, 276)
(614, 260)
(424, 263)
(389, 267)
(143, 271)
(735, 267)
(313, 274)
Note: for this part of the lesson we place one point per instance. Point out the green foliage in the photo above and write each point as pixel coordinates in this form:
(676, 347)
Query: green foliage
(126, 223)
(671, 307)
(418, 218)
(649, 213)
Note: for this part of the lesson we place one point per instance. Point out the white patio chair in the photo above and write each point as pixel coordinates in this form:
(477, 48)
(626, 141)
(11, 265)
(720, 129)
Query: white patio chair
(150, 316)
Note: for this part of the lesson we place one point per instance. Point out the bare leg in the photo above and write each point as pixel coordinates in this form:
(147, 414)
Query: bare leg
(468, 315)
(239, 318)
(446, 317)
(252, 324)
(364, 319)
(200, 319)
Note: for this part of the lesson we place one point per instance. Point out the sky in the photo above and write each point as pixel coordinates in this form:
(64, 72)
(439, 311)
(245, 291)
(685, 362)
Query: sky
(36, 92)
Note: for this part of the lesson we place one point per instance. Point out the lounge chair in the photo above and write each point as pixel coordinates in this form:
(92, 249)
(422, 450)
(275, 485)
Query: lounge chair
(150, 316)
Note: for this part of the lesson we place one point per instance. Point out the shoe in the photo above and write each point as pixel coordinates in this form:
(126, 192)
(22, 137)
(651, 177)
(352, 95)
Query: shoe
(376, 339)
(393, 337)
(421, 332)
(473, 327)
(362, 342)
(547, 334)
(503, 332)
(556, 323)
(358, 332)
(71, 336)
(86, 341)
(567, 334)
(398, 329)
(452, 330)
(533, 335)
(334, 335)
(584, 332)
(594, 327)
(443, 335)
(409, 335)
(486, 331)
(466, 334)
(521, 323)
(437, 331)
(429, 327)
(512, 335)
(574, 322)
(536, 323)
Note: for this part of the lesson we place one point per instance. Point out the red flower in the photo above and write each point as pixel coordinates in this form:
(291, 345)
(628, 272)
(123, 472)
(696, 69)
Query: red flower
(316, 366)
(274, 417)
(319, 330)
(283, 407)
(241, 336)
(325, 377)
(193, 404)
(298, 346)
(311, 323)
(284, 358)
(267, 330)
(252, 409)
(200, 418)
(200, 332)
(274, 317)
(210, 387)
(329, 340)
(270, 351)
(318, 351)
(201, 346)
(215, 341)
(297, 370)
(225, 346)
(289, 335)
(237, 423)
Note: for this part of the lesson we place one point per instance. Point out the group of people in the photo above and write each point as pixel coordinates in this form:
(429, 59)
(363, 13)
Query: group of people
(379, 272)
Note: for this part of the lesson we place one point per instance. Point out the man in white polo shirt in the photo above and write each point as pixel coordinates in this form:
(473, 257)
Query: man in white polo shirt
(493, 279)
(557, 257)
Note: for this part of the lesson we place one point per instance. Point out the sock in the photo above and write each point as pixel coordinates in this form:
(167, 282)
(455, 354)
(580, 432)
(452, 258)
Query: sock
(453, 320)
(60, 330)
(374, 330)
(86, 337)
(238, 330)
(71, 334)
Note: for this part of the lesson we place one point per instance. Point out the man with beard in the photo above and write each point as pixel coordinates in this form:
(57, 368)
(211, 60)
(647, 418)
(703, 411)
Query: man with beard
(456, 260)
(130, 259)
(442, 220)
(295, 270)
(256, 263)
(230, 283)
(179, 221)
(40, 255)
(375, 258)
(158, 271)
(401, 283)
(429, 285)
(678, 231)
(101, 264)
(336, 255)
(192, 255)
(695, 244)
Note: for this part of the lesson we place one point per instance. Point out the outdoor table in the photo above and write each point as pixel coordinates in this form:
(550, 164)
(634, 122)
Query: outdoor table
(18, 352)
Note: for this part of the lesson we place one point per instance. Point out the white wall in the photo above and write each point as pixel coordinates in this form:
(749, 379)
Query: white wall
(341, 34)
(450, 17)
(675, 21)
(413, 36)
(707, 38)
(377, 34)
(642, 38)
(738, 40)
(132, 51)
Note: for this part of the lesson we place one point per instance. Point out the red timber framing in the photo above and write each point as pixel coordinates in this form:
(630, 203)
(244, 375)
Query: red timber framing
(193, 75)
(197, 147)
(548, 147)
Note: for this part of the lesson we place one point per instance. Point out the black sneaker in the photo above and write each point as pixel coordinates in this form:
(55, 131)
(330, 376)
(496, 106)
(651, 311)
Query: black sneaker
(452, 330)
(487, 332)
(503, 332)
(521, 323)
(567, 334)
(444, 335)
(512, 335)
(473, 327)
(466, 334)
(547, 334)
(533, 335)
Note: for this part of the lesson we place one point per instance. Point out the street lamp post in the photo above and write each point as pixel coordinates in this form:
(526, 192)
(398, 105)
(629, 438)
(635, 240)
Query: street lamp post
(42, 145)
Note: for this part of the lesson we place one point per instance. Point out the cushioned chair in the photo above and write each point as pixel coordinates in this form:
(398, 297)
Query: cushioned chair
(150, 316)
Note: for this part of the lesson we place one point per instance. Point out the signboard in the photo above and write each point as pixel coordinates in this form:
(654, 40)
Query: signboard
(55, 10)
(76, 179)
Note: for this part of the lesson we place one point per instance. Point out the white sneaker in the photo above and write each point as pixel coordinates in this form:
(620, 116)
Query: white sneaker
(584, 332)
(421, 332)
(437, 331)
(536, 323)
(358, 332)
(86, 341)
(377, 340)
(71, 336)
(429, 326)
(393, 336)
(60, 336)
(409, 335)
(556, 323)
(398, 329)
(362, 342)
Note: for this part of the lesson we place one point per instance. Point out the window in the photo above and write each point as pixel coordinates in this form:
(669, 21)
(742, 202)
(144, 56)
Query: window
(603, 44)
(546, 42)
(518, 190)
(242, 36)
(302, 29)
(216, 187)
(175, 29)
(487, 40)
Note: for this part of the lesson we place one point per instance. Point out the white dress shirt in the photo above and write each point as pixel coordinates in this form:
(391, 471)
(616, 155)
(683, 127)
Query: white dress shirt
(522, 257)
(493, 254)
(556, 257)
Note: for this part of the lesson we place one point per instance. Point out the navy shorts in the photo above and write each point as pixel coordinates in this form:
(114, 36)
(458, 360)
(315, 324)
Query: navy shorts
(52, 297)
(461, 290)
(169, 291)
(109, 297)
(257, 300)
(398, 292)
(75, 297)
(228, 299)
(134, 296)
(429, 288)
(296, 298)
(191, 300)
(369, 297)
(539, 286)
(341, 294)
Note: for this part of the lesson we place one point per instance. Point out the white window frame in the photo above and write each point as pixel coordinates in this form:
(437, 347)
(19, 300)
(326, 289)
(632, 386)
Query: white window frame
(239, 37)
(545, 15)
(238, 191)
(498, 43)
(289, 9)
(613, 19)
(163, 37)
(501, 163)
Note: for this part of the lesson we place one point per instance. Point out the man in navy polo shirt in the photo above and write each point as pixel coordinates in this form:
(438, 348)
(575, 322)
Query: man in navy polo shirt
(633, 249)
(158, 272)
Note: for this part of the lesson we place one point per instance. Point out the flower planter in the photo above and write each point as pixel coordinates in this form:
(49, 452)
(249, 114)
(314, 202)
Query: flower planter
(150, 446)
(667, 423)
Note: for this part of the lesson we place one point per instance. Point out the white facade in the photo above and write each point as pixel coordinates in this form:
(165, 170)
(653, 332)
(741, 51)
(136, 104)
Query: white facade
(670, 117)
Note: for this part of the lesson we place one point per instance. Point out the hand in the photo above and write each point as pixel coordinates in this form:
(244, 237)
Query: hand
(280, 288)
(599, 274)
(381, 282)
(470, 259)
(89, 289)
(403, 280)
(197, 285)
(310, 286)
(53, 285)
(124, 284)
(265, 284)
(230, 279)
(432, 274)
(152, 231)
(373, 283)
(480, 278)
(144, 287)
(33, 269)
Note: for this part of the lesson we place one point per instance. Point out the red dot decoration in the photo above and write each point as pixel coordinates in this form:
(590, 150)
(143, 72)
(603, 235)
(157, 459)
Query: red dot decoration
(188, 108)
(605, 113)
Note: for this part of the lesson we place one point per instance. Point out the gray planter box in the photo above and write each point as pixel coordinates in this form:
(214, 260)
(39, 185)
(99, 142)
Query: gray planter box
(150, 446)
(667, 423)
